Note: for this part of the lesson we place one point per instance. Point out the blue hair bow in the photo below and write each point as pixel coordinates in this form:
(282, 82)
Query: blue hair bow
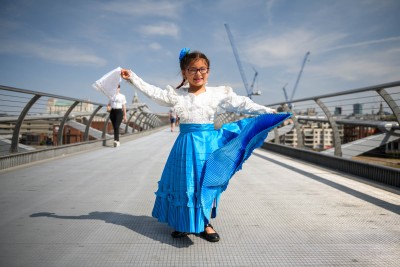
(183, 53)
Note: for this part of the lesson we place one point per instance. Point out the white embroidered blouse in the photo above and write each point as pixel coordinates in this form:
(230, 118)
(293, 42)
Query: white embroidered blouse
(202, 108)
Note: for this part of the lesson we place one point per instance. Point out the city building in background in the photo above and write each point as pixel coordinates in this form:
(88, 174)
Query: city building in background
(59, 106)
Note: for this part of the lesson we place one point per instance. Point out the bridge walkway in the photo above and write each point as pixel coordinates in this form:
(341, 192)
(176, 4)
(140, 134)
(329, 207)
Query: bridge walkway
(94, 209)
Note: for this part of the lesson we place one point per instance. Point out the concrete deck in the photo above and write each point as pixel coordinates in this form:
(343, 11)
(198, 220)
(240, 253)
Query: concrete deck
(94, 209)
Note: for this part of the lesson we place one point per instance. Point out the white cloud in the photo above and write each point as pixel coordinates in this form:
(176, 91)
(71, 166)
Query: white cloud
(348, 63)
(71, 55)
(372, 67)
(287, 48)
(155, 46)
(169, 9)
(65, 55)
(355, 45)
(162, 29)
(269, 6)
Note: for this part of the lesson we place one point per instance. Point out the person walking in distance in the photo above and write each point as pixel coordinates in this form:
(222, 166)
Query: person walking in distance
(172, 118)
(203, 159)
(117, 113)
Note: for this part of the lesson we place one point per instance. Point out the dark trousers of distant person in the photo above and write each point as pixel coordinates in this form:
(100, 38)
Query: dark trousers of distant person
(116, 119)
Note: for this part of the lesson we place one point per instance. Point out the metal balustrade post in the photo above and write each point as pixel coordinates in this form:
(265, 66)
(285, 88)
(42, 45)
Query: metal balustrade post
(219, 119)
(224, 118)
(231, 117)
(18, 124)
(154, 121)
(86, 135)
(64, 120)
(276, 135)
(130, 118)
(143, 121)
(151, 119)
(335, 130)
(391, 103)
(138, 122)
(159, 123)
(148, 121)
(103, 135)
(125, 131)
(299, 133)
(129, 114)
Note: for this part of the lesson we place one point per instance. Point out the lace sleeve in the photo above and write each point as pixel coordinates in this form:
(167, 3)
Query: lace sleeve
(162, 97)
(242, 104)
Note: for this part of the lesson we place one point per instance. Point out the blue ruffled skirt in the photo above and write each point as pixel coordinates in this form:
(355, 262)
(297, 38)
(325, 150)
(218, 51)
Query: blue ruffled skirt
(200, 165)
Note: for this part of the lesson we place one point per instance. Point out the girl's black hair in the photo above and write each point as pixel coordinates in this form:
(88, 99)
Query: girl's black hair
(187, 59)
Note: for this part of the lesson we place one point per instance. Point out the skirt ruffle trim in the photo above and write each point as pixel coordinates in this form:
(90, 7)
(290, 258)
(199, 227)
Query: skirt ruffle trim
(183, 217)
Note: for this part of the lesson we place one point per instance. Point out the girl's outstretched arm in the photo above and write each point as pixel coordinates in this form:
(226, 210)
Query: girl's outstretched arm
(243, 104)
(162, 97)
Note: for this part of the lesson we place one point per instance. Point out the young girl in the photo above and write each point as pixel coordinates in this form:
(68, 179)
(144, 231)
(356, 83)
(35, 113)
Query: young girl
(202, 159)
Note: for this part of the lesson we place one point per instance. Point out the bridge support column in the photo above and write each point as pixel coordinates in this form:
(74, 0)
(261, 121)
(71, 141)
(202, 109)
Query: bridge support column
(336, 136)
(391, 103)
(18, 124)
(86, 136)
(64, 120)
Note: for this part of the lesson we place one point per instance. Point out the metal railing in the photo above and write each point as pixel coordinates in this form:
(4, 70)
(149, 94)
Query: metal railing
(31, 121)
(344, 128)
(356, 131)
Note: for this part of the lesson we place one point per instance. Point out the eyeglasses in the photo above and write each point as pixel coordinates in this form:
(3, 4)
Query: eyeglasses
(193, 71)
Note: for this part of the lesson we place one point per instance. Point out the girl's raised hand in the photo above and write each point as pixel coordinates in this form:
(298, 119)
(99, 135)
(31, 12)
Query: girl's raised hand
(125, 74)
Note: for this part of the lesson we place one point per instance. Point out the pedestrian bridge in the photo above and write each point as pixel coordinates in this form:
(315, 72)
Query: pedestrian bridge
(303, 199)
(93, 208)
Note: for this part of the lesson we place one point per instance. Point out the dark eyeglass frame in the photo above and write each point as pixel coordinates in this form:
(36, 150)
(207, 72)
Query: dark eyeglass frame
(193, 71)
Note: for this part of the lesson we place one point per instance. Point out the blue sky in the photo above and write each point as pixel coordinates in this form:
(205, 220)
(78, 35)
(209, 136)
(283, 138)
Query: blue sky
(62, 47)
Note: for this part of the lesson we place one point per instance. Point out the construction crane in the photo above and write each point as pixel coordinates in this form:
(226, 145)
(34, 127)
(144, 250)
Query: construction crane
(284, 91)
(252, 84)
(249, 90)
(297, 81)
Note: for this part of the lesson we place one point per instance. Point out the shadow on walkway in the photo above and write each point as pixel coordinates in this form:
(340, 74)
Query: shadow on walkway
(144, 225)
(373, 200)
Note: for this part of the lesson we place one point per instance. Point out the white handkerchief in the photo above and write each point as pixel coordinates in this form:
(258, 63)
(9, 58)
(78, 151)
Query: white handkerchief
(108, 84)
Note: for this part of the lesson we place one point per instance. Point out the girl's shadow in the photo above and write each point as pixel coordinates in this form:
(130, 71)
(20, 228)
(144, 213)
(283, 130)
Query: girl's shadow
(144, 225)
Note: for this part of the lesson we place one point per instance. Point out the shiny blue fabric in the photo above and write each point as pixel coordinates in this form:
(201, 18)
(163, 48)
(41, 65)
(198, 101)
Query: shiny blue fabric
(200, 165)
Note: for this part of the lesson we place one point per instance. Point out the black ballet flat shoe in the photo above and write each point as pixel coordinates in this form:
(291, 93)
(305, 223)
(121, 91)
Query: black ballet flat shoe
(177, 234)
(214, 237)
